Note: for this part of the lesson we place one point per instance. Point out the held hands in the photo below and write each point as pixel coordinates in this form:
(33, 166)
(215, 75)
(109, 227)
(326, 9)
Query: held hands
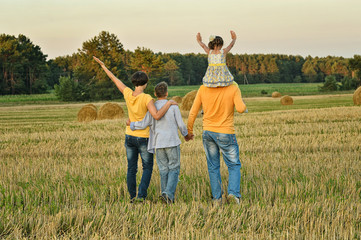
(98, 61)
(188, 137)
(128, 122)
(233, 35)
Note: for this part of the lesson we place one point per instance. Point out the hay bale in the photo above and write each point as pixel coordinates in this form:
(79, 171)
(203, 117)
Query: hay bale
(286, 100)
(87, 113)
(110, 111)
(357, 96)
(276, 95)
(177, 99)
(91, 105)
(188, 100)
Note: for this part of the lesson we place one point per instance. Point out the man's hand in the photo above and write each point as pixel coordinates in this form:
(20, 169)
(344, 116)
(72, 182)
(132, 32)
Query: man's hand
(128, 122)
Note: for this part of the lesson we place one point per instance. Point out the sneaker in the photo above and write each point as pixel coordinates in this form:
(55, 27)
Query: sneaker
(232, 199)
(164, 197)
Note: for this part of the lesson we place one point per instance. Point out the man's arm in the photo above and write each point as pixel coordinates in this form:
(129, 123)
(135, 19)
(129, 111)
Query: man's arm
(238, 102)
(147, 121)
(120, 85)
(193, 112)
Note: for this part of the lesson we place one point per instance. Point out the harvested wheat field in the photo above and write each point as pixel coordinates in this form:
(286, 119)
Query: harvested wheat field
(61, 179)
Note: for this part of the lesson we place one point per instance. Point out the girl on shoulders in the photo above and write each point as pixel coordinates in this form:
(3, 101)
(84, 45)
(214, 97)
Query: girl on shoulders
(217, 74)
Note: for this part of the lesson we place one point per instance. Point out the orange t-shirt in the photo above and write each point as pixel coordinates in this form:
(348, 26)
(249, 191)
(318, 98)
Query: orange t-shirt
(137, 108)
(218, 108)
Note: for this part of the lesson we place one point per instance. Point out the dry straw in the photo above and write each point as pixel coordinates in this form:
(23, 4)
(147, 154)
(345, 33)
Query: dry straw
(357, 96)
(110, 111)
(87, 113)
(177, 99)
(286, 100)
(276, 95)
(188, 100)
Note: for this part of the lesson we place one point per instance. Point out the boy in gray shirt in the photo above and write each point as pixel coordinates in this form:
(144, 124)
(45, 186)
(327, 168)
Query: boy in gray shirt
(164, 140)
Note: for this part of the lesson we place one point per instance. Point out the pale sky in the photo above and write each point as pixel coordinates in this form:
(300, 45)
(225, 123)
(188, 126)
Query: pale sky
(295, 27)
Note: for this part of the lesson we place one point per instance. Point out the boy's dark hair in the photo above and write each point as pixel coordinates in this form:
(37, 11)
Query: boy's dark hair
(139, 78)
(161, 89)
(217, 41)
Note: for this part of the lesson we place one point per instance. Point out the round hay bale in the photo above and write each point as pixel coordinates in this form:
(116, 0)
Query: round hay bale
(286, 100)
(87, 113)
(110, 111)
(188, 100)
(276, 95)
(177, 99)
(357, 96)
(91, 105)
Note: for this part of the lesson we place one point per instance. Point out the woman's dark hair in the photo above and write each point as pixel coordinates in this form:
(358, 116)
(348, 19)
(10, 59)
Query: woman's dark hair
(217, 41)
(139, 78)
(161, 89)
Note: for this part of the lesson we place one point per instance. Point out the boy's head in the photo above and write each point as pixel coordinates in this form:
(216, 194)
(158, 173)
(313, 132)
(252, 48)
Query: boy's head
(139, 78)
(161, 90)
(215, 41)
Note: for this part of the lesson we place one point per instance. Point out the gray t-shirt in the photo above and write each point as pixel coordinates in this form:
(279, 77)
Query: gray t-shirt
(163, 133)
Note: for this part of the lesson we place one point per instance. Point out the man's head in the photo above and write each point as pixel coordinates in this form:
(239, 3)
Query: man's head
(139, 78)
(161, 90)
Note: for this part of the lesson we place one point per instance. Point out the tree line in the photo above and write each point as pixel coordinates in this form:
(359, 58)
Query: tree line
(25, 69)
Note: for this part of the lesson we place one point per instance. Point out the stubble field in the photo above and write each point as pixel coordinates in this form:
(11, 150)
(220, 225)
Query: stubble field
(301, 178)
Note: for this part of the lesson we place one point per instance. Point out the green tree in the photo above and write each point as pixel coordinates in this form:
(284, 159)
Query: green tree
(355, 66)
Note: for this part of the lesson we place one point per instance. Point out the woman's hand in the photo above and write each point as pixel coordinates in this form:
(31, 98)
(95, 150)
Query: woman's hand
(199, 38)
(233, 35)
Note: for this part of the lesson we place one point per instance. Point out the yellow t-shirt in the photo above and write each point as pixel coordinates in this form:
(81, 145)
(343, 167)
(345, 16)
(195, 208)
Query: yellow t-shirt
(137, 108)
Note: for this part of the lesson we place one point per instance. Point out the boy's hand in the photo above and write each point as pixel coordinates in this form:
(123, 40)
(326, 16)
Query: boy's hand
(128, 122)
(98, 61)
(233, 35)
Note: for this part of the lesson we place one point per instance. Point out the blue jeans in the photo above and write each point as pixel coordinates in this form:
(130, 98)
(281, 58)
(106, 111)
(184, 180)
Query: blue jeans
(168, 160)
(135, 146)
(226, 143)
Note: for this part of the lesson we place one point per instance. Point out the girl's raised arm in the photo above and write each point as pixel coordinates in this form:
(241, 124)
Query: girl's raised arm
(234, 37)
(120, 85)
(204, 46)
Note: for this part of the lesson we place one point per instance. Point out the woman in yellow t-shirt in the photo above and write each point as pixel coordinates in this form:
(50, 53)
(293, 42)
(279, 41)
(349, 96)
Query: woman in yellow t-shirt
(138, 103)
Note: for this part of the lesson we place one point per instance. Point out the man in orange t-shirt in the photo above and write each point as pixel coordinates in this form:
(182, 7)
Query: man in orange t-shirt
(219, 135)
